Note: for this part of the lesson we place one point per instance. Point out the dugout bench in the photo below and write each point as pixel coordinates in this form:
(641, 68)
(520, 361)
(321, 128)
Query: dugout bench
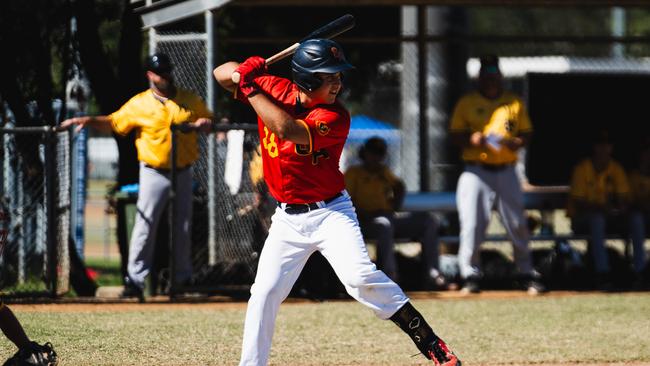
(546, 200)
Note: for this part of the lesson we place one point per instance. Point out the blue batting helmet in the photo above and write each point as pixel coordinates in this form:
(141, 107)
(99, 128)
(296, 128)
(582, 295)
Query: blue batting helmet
(317, 55)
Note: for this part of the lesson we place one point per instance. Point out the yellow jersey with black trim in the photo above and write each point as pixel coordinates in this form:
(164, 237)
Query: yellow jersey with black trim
(587, 185)
(503, 117)
(371, 190)
(152, 117)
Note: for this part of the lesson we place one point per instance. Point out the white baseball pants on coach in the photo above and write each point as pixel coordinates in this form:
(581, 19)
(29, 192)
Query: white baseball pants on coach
(333, 230)
(479, 191)
(152, 199)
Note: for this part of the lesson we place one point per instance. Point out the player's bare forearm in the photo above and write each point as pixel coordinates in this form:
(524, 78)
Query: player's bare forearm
(223, 75)
(278, 121)
(11, 328)
(99, 123)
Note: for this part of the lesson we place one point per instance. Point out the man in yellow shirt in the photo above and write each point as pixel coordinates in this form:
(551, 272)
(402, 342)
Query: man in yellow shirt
(600, 199)
(377, 194)
(152, 113)
(490, 125)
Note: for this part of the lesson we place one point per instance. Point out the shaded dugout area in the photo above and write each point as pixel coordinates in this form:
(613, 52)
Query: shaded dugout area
(568, 109)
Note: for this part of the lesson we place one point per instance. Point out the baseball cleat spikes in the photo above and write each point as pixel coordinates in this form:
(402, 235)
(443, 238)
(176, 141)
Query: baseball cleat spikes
(441, 355)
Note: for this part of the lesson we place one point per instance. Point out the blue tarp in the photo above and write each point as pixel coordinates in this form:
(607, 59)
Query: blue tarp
(362, 122)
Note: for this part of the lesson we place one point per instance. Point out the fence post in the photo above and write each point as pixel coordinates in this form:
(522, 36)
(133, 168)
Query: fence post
(50, 207)
(172, 216)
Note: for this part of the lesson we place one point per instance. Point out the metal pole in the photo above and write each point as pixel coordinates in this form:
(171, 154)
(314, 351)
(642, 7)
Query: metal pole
(172, 218)
(50, 199)
(210, 26)
(422, 98)
(618, 31)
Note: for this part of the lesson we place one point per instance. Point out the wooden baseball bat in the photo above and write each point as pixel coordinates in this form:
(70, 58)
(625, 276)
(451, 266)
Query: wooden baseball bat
(329, 30)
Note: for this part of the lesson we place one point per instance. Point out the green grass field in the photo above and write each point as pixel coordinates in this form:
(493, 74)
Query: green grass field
(553, 330)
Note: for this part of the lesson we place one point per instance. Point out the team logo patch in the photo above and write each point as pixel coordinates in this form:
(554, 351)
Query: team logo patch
(322, 128)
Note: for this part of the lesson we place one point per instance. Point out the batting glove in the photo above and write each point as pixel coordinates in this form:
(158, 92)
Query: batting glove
(248, 71)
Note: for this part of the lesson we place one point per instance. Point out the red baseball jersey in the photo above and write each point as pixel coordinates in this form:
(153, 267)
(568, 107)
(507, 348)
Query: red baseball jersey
(298, 173)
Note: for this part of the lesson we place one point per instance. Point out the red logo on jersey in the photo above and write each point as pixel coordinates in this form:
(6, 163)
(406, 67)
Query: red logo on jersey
(322, 128)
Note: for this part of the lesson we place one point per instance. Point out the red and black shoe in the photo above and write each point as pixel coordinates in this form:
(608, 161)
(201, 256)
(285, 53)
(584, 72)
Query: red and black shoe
(441, 355)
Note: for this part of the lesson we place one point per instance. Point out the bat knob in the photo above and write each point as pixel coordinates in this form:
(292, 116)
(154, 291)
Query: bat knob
(235, 77)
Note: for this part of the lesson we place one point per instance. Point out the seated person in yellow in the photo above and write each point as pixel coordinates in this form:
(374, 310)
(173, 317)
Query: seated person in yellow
(377, 194)
(599, 200)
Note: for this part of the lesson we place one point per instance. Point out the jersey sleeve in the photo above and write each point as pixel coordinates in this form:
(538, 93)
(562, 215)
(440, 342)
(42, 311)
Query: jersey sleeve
(124, 119)
(525, 125)
(276, 87)
(458, 122)
(622, 185)
(390, 177)
(327, 127)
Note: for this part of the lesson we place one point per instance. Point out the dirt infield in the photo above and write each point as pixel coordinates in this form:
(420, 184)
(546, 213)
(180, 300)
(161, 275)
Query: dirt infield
(223, 302)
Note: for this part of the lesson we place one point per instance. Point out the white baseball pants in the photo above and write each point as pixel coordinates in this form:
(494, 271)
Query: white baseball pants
(333, 230)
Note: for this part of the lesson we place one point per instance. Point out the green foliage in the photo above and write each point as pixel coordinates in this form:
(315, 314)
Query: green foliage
(108, 271)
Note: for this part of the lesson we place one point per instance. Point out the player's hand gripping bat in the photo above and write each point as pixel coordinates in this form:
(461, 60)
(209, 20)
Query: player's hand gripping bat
(329, 30)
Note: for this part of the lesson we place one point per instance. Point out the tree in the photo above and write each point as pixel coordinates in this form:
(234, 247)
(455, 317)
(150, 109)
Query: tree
(112, 89)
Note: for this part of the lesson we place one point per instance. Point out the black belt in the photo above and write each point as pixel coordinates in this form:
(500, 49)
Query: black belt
(165, 170)
(300, 208)
(490, 167)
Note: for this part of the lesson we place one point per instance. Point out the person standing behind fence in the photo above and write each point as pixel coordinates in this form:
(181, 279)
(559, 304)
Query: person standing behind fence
(377, 193)
(599, 202)
(152, 113)
(490, 125)
(303, 128)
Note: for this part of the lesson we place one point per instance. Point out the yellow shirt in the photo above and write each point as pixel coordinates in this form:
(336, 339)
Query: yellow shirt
(371, 191)
(588, 186)
(505, 117)
(255, 167)
(640, 187)
(152, 118)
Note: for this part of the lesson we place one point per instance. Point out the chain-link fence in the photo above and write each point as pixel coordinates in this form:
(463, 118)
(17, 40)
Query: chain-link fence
(227, 228)
(574, 67)
(35, 197)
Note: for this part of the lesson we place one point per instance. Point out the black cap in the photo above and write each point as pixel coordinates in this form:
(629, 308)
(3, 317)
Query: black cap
(159, 63)
(489, 65)
(374, 145)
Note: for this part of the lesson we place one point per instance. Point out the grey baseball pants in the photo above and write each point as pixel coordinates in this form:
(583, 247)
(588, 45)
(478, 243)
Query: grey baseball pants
(152, 199)
(479, 191)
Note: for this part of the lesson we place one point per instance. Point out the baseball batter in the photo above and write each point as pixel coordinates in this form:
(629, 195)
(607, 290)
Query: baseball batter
(302, 130)
(491, 124)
